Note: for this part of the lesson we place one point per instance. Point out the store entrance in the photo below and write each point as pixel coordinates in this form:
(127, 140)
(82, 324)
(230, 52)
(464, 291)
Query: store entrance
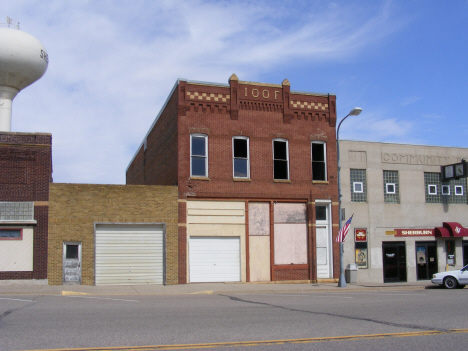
(426, 260)
(465, 253)
(394, 262)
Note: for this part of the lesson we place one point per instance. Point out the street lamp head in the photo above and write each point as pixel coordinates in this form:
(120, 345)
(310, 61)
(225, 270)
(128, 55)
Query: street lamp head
(355, 111)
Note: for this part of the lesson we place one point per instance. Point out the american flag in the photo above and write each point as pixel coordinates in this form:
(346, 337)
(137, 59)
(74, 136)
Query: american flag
(340, 238)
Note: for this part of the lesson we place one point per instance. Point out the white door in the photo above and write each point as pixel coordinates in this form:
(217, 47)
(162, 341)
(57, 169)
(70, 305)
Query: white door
(323, 240)
(129, 255)
(214, 259)
(72, 263)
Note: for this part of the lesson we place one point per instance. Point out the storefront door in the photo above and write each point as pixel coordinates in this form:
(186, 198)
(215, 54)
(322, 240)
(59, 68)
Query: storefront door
(465, 253)
(71, 263)
(394, 262)
(426, 260)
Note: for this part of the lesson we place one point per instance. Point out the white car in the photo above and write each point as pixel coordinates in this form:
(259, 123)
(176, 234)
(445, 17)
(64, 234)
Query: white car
(452, 279)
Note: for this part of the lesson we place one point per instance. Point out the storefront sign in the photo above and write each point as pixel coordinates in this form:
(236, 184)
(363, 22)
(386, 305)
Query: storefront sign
(421, 255)
(414, 232)
(360, 234)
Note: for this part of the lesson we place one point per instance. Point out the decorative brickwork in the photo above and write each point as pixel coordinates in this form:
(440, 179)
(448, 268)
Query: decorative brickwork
(74, 208)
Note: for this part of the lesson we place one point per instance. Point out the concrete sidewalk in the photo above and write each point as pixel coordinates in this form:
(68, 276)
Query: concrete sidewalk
(202, 288)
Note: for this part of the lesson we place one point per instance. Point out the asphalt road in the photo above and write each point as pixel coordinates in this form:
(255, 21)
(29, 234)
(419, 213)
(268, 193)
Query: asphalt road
(385, 320)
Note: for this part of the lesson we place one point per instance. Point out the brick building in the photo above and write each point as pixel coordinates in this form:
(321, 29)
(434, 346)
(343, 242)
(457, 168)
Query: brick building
(103, 234)
(255, 166)
(26, 171)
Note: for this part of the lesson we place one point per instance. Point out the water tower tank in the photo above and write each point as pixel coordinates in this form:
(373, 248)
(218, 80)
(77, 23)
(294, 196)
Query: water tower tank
(23, 60)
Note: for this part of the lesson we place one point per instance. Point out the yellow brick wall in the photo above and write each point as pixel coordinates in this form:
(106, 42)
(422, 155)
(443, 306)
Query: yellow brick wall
(74, 208)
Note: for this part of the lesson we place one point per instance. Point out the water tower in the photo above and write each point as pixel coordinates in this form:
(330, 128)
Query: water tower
(23, 60)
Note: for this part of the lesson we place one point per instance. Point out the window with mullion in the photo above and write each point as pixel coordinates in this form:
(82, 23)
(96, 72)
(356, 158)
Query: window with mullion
(199, 155)
(391, 187)
(319, 164)
(280, 159)
(240, 153)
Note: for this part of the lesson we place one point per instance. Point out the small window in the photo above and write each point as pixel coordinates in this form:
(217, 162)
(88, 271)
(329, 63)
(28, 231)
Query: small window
(458, 190)
(445, 189)
(358, 187)
(240, 152)
(199, 155)
(432, 189)
(390, 188)
(71, 251)
(319, 164)
(320, 213)
(280, 159)
(10, 234)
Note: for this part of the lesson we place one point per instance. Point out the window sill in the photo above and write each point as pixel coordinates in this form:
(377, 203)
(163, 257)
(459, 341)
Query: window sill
(281, 181)
(199, 178)
(241, 179)
(320, 182)
(18, 222)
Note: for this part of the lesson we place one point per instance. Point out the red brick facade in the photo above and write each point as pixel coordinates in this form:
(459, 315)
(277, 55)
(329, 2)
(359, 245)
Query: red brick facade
(261, 112)
(26, 171)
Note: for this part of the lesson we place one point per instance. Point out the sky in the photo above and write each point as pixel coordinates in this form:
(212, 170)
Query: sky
(112, 65)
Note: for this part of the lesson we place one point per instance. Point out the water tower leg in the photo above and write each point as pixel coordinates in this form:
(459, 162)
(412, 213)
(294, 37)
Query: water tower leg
(7, 94)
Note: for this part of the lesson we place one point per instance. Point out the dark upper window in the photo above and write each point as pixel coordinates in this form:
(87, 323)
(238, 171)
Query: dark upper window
(240, 154)
(319, 163)
(280, 159)
(199, 155)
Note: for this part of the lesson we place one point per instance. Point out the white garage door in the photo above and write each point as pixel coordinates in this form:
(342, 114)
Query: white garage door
(214, 259)
(129, 255)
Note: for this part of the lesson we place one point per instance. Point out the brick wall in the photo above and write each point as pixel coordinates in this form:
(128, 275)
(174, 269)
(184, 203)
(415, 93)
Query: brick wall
(157, 165)
(74, 208)
(26, 171)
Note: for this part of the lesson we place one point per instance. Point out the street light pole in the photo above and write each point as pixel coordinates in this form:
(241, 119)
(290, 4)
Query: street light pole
(354, 112)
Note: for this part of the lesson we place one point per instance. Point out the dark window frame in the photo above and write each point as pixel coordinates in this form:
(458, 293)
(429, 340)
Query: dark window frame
(19, 230)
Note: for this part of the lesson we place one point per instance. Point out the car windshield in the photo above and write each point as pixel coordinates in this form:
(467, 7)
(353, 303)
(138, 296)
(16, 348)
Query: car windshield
(465, 268)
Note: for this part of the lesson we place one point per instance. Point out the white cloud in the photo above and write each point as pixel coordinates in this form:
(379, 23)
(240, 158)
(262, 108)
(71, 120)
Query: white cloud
(374, 127)
(112, 64)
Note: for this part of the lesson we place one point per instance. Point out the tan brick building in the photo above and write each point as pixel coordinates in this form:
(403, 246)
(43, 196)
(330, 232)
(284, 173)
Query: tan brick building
(94, 231)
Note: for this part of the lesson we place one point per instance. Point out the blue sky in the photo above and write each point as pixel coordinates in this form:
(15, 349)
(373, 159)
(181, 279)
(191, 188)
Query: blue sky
(113, 63)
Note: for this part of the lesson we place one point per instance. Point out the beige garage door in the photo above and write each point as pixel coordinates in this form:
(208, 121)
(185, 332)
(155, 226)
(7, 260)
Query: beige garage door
(129, 255)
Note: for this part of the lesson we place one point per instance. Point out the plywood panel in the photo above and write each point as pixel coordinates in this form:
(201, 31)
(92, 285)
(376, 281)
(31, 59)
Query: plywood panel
(290, 244)
(259, 250)
(227, 205)
(290, 213)
(259, 218)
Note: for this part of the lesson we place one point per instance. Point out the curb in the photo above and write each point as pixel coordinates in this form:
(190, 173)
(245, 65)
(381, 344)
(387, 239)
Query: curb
(247, 290)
